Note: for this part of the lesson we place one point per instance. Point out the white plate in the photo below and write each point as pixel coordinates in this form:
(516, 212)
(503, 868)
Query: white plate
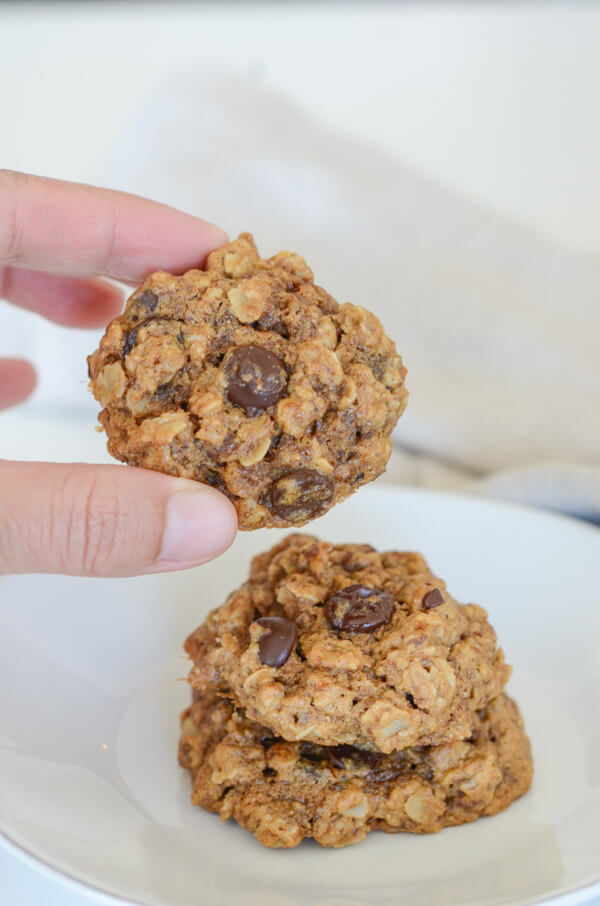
(90, 697)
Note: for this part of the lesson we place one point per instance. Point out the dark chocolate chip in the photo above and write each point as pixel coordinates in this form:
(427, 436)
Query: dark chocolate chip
(310, 752)
(358, 608)
(432, 599)
(148, 300)
(338, 755)
(410, 699)
(130, 338)
(166, 393)
(275, 645)
(388, 767)
(256, 379)
(301, 494)
(344, 756)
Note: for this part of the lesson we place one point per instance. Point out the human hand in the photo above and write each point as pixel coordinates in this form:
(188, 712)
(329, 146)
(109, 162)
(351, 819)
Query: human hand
(80, 519)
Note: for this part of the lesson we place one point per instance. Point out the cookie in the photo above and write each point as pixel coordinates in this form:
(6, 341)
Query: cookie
(283, 791)
(340, 644)
(250, 378)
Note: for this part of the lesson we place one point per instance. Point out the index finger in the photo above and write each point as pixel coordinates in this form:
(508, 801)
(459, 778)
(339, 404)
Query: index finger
(75, 229)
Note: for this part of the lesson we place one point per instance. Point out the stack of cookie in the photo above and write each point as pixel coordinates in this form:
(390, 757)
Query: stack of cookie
(341, 690)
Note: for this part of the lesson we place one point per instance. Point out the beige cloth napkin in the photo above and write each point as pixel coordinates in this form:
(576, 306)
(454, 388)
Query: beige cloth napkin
(499, 329)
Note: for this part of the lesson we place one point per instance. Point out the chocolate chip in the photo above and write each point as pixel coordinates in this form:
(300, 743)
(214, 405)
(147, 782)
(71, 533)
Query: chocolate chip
(358, 608)
(338, 755)
(167, 393)
(389, 767)
(301, 494)
(256, 379)
(310, 752)
(275, 645)
(148, 300)
(131, 337)
(432, 599)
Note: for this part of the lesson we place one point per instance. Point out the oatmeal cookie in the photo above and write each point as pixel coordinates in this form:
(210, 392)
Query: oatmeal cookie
(283, 791)
(249, 377)
(340, 644)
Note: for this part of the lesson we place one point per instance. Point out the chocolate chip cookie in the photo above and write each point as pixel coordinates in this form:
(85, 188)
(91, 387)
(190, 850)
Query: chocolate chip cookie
(340, 644)
(284, 791)
(249, 377)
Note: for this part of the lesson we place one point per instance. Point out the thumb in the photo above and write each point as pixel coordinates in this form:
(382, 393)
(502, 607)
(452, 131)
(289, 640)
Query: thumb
(107, 520)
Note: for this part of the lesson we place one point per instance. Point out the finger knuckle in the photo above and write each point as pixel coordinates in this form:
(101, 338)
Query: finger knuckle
(11, 186)
(10, 541)
(97, 528)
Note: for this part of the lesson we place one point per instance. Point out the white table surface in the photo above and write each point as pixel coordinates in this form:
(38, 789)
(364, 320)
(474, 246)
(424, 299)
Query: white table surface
(496, 101)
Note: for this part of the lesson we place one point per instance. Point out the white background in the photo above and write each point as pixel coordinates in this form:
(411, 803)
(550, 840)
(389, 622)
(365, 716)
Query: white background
(499, 101)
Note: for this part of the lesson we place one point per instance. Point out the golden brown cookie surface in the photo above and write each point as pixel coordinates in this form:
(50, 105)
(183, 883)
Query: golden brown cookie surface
(250, 378)
(283, 791)
(341, 644)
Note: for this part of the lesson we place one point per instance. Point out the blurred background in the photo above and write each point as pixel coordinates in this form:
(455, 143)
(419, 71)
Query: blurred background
(436, 162)
(497, 100)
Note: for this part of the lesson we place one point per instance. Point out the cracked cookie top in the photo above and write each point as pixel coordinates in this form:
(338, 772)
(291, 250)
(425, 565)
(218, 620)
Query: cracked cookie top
(249, 377)
(340, 644)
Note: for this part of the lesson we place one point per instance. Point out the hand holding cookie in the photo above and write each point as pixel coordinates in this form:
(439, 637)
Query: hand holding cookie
(79, 519)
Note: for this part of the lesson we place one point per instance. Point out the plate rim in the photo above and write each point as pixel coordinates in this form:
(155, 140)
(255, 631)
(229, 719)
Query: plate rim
(572, 897)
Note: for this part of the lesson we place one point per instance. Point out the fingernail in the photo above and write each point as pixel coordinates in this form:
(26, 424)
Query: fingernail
(200, 525)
